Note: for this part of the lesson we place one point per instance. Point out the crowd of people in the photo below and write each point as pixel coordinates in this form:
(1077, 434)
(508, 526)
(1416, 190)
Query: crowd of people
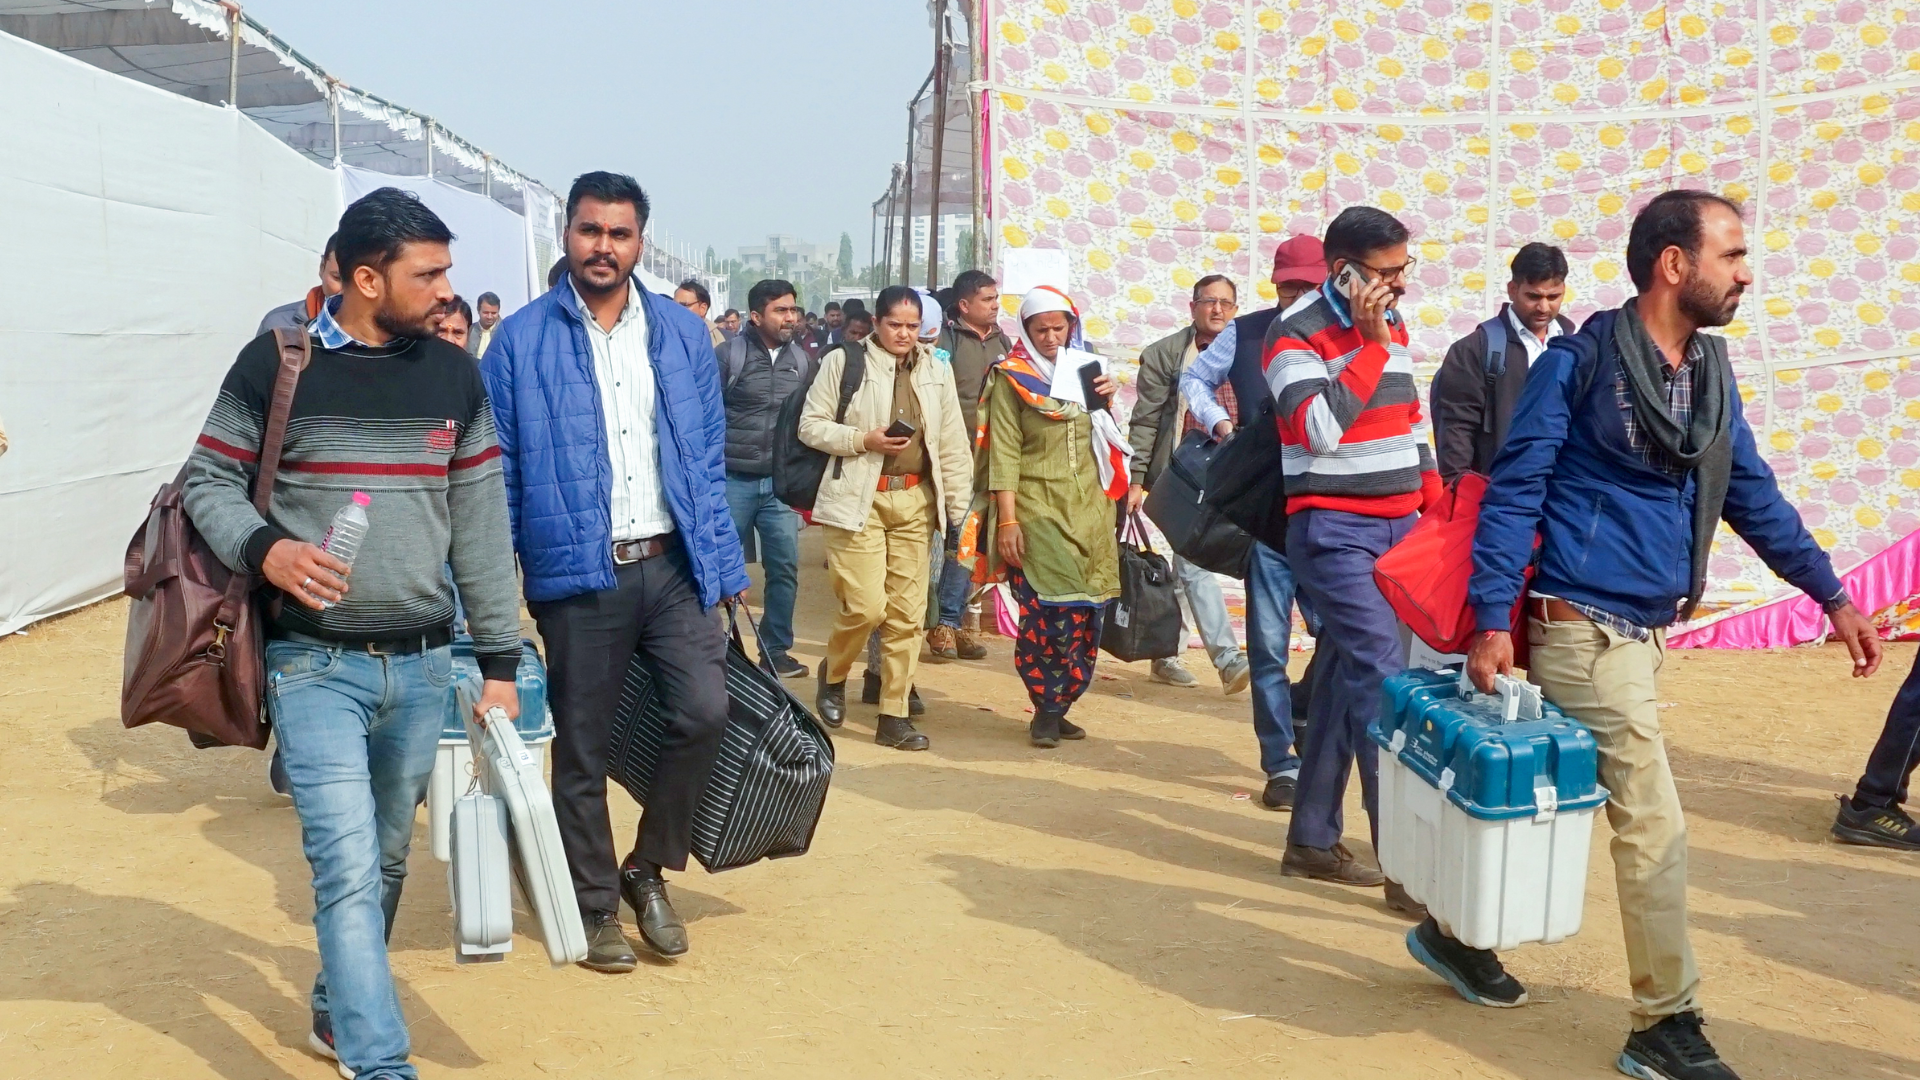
(610, 461)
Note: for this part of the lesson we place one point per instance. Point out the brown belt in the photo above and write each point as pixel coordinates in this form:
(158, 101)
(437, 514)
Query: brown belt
(628, 552)
(899, 483)
(1554, 610)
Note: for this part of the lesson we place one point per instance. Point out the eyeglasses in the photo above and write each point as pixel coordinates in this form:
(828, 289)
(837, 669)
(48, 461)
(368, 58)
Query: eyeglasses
(1390, 272)
(1215, 302)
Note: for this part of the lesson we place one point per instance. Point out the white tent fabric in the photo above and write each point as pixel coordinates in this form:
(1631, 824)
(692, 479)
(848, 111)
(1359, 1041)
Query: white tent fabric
(146, 234)
(490, 241)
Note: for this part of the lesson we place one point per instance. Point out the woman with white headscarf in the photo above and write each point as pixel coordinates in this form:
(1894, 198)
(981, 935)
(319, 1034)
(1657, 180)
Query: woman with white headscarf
(1053, 469)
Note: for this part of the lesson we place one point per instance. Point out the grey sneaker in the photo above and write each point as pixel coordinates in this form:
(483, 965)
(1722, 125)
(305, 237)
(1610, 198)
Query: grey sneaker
(1236, 675)
(1174, 673)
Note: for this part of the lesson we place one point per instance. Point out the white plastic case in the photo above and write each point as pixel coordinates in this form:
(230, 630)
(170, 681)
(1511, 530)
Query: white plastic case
(513, 773)
(477, 879)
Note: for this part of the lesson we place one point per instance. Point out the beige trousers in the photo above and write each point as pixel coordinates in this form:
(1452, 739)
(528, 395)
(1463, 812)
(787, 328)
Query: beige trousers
(1607, 682)
(879, 575)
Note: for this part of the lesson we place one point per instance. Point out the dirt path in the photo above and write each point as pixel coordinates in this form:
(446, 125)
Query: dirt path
(1110, 909)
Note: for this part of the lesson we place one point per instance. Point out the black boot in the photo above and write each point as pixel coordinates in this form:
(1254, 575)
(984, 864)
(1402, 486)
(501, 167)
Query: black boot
(831, 701)
(870, 688)
(899, 733)
(1071, 730)
(915, 707)
(1045, 729)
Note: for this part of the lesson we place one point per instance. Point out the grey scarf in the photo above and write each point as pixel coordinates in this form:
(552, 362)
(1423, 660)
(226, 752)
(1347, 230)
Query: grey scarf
(1705, 446)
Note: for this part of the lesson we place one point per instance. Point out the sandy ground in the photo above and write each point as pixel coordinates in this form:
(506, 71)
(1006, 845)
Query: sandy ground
(1110, 909)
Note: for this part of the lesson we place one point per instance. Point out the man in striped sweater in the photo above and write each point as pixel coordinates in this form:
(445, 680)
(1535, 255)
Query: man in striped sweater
(359, 677)
(1358, 471)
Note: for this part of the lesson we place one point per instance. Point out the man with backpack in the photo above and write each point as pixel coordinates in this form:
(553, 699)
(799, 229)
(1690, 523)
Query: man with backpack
(1479, 381)
(1627, 448)
(759, 369)
(612, 435)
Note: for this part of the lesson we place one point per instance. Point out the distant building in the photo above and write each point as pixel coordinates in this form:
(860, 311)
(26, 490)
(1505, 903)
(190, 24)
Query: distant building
(796, 255)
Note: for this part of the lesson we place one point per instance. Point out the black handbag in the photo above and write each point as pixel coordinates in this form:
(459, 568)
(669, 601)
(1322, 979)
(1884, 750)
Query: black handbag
(769, 782)
(1247, 482)
(1144, 623)
(1194, 527)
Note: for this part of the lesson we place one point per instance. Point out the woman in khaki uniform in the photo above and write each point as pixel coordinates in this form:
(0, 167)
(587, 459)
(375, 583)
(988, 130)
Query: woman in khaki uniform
(881, 507)
(1054, 469)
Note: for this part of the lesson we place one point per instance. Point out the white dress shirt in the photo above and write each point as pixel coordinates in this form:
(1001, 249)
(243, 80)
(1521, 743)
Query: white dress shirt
(1535, 346)
(624, 373)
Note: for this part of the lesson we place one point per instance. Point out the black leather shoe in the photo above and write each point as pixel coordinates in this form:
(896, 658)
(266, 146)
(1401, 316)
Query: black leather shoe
(899, 733)
(870, 688)
(607, 947)
(831, 701)
(1071, 730)
(915, 707)
(660, 928)
(1278, 794)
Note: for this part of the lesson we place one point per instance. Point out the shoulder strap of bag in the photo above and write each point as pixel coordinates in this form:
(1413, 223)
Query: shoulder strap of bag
(736, 360)
(1495, 362)
(296, 351)
(853, 372)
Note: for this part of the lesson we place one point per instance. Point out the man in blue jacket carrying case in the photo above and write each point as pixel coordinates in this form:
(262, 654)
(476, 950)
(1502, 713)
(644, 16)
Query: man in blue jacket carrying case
(612, 439)
(1626, 450)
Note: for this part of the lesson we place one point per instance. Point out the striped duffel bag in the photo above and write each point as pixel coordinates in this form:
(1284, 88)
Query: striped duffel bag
(769, 781)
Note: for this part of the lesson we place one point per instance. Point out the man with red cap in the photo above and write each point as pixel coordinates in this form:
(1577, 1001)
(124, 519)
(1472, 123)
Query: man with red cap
(1225, 373)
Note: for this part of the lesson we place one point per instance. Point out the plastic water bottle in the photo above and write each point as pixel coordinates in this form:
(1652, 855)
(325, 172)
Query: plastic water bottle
(349, 527)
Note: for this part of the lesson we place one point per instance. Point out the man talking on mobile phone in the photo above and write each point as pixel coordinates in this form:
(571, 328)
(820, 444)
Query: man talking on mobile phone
(1358, 472)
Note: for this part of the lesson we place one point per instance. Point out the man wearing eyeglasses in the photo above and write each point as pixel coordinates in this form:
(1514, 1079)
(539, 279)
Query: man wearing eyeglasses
(1160, 419)
(1358, 472)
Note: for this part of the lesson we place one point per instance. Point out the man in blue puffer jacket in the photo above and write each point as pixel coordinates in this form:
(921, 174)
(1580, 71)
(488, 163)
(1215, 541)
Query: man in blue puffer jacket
(612, 435)
(1628, 447)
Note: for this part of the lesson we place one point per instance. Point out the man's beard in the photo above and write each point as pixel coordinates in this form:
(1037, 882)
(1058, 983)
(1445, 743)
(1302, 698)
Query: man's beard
(1703, 306)
(401, 327)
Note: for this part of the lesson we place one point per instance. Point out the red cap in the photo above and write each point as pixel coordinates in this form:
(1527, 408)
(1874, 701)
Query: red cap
(1300, 258)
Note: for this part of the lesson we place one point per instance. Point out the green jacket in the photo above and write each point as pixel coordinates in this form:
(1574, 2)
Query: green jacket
(1155, 427)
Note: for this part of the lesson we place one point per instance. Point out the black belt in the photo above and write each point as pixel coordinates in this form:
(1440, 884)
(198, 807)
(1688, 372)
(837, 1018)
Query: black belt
(628, 552)
(407, 646)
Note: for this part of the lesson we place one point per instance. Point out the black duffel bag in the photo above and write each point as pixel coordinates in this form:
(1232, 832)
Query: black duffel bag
(1144, 623)
(1246, 481)
(769, 782)
(1195, 528)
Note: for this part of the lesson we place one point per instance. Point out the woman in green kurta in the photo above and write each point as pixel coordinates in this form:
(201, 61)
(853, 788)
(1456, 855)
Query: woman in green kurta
(1050, 466)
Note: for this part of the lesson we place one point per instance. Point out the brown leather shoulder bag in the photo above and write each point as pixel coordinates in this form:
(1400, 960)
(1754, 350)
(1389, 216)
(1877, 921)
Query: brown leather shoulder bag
(195, 655)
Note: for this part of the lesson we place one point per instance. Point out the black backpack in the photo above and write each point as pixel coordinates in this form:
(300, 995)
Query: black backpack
(797, 467)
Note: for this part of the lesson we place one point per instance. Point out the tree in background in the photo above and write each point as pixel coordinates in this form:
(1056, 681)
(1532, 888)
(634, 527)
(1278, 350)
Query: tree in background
(846, 257)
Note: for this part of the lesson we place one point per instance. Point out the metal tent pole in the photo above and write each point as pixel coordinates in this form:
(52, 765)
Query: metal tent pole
(427, 129)
(906, 219)
(486, 175)
(941, 61)
(233, 56)
(333, 110)
(976, 101)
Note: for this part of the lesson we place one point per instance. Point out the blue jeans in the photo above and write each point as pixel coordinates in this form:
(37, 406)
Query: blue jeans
(1333, 552)
(956, 582)
(1269, 632)
(756, 510)
(357, 733)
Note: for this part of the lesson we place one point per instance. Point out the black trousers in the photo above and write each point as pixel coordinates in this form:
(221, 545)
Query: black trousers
(654, 608)
(1894, 756)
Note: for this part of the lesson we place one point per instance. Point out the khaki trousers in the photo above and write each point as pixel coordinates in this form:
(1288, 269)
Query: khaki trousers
(879, 575)
(1607, 682)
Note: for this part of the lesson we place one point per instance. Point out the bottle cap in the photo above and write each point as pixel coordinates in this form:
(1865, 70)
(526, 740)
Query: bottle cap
(362, 498)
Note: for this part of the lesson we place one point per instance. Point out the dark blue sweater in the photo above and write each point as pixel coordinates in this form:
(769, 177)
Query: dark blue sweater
(1615, 533)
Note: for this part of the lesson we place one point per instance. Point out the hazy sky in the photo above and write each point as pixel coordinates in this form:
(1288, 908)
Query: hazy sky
(740, 117)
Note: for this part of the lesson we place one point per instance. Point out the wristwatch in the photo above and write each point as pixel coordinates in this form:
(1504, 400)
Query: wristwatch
(1834, 603)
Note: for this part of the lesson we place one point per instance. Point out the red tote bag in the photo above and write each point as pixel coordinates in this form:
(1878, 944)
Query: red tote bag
(1424, 577)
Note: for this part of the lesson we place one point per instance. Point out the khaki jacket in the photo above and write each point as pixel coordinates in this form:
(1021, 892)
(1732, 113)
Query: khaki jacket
(845, 501)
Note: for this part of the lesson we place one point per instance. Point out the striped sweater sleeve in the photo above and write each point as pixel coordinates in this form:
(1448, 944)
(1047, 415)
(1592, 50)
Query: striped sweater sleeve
(481, 550)
(1321, 399)
(221, 468)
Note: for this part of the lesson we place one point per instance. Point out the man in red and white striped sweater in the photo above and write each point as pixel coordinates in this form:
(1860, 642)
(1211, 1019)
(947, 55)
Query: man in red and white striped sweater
(1358, 471)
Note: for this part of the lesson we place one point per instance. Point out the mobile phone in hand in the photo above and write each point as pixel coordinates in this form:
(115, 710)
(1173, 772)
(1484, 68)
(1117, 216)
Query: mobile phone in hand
(900, 429)
(1095, 400)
